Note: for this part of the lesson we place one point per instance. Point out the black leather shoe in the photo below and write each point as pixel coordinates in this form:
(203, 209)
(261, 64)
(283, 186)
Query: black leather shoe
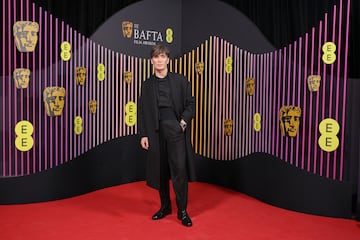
(184, 217)
(161, 213)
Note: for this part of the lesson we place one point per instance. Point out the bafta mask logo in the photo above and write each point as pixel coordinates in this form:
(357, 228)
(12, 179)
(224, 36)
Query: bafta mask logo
(21, 77)
(80, 75)
(314, 82)
(289, 120)
(92, 106)
(199, 67)
(250, 85)
(127, 29)
(26, 35)
(228, 127)
(54, 100)
(127, 77)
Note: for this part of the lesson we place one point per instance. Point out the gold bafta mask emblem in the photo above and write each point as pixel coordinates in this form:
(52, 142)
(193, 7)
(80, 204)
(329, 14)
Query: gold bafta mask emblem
(228, 127)
(92, 106)
(127, 29)
(127, 77)
(80, 75)
(289, 120)
(250, 85)
(26, 35)
(314, 82)
(199, 67)
(21, 77)
(54, 100)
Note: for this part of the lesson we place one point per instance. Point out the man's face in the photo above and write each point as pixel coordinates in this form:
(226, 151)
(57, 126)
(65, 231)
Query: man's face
(199, 67)
(92, 106)
(54, 102)
(160, 61)
(80, 75)
(22, 77)
(127, 77)
(291, 122)
(127, 28)
(228, 127)
(250, 86)
(26, 37)
(314, 82)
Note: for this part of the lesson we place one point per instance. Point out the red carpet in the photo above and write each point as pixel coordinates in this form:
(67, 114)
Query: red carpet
(124, 213)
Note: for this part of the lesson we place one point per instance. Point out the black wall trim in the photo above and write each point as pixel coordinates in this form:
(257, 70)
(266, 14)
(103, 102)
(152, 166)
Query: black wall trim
(109, 164)
(276, 182)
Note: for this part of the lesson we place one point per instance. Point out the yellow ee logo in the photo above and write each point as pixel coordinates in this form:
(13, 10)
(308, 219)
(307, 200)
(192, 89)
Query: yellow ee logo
(130, 114)
(329, 49)
(100, 72)
(78, 128)
(228, 66)
(328, 141)
(169, 35)
(65, 53)
(24, 141)
(257, 122)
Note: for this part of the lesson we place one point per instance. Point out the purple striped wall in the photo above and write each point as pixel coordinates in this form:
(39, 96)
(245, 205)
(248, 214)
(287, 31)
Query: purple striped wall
(55, 142)
(280, 79)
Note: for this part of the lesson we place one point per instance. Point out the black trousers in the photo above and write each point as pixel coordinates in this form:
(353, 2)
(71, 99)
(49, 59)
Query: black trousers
(173, 164)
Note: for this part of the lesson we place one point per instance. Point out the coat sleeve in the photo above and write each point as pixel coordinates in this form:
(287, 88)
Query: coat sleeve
(189, 103)
(141, 117)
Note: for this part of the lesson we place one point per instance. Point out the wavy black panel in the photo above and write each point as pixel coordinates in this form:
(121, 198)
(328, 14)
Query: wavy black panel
(276, 182)
(109, 164)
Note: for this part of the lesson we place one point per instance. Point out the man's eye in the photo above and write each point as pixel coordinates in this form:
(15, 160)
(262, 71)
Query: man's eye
(286, 119)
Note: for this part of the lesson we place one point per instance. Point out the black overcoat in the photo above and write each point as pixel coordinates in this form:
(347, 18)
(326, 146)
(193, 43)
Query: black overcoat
(148, 122)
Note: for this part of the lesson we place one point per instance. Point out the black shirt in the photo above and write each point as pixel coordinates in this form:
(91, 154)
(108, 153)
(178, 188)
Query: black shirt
(164, 100)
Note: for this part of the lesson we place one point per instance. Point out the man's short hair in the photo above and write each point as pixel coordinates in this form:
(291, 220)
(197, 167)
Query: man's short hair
(159, 49)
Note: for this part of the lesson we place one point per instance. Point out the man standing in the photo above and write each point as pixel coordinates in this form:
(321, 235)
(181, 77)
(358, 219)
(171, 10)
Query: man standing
(166, 108)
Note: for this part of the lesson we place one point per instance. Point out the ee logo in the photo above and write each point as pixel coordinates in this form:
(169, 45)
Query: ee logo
(169, 35)
(78, 125)
(329, 56)
(24, 141)
(228, 66)
(100, 72)
(130, 114)
(328, 141)
(257, 122)
(65, 51)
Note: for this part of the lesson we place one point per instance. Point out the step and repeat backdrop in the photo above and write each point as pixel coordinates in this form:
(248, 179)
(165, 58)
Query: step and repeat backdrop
(63, 94)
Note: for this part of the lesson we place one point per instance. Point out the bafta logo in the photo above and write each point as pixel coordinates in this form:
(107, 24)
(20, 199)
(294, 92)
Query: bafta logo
(80, 75)
(314, 82)
(127, 29)
(250, 86)
(92, 106)
(127, 77)
(199, 67)
(228, 127)
(54, 100)
(26, 35)
(21, 77)
(289, 120)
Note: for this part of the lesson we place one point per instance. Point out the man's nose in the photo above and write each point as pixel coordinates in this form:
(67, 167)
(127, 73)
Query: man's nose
(292, 122)
(28, 37)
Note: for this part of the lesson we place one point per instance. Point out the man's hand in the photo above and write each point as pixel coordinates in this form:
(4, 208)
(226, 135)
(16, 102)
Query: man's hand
(183, 124)
(144, 142)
